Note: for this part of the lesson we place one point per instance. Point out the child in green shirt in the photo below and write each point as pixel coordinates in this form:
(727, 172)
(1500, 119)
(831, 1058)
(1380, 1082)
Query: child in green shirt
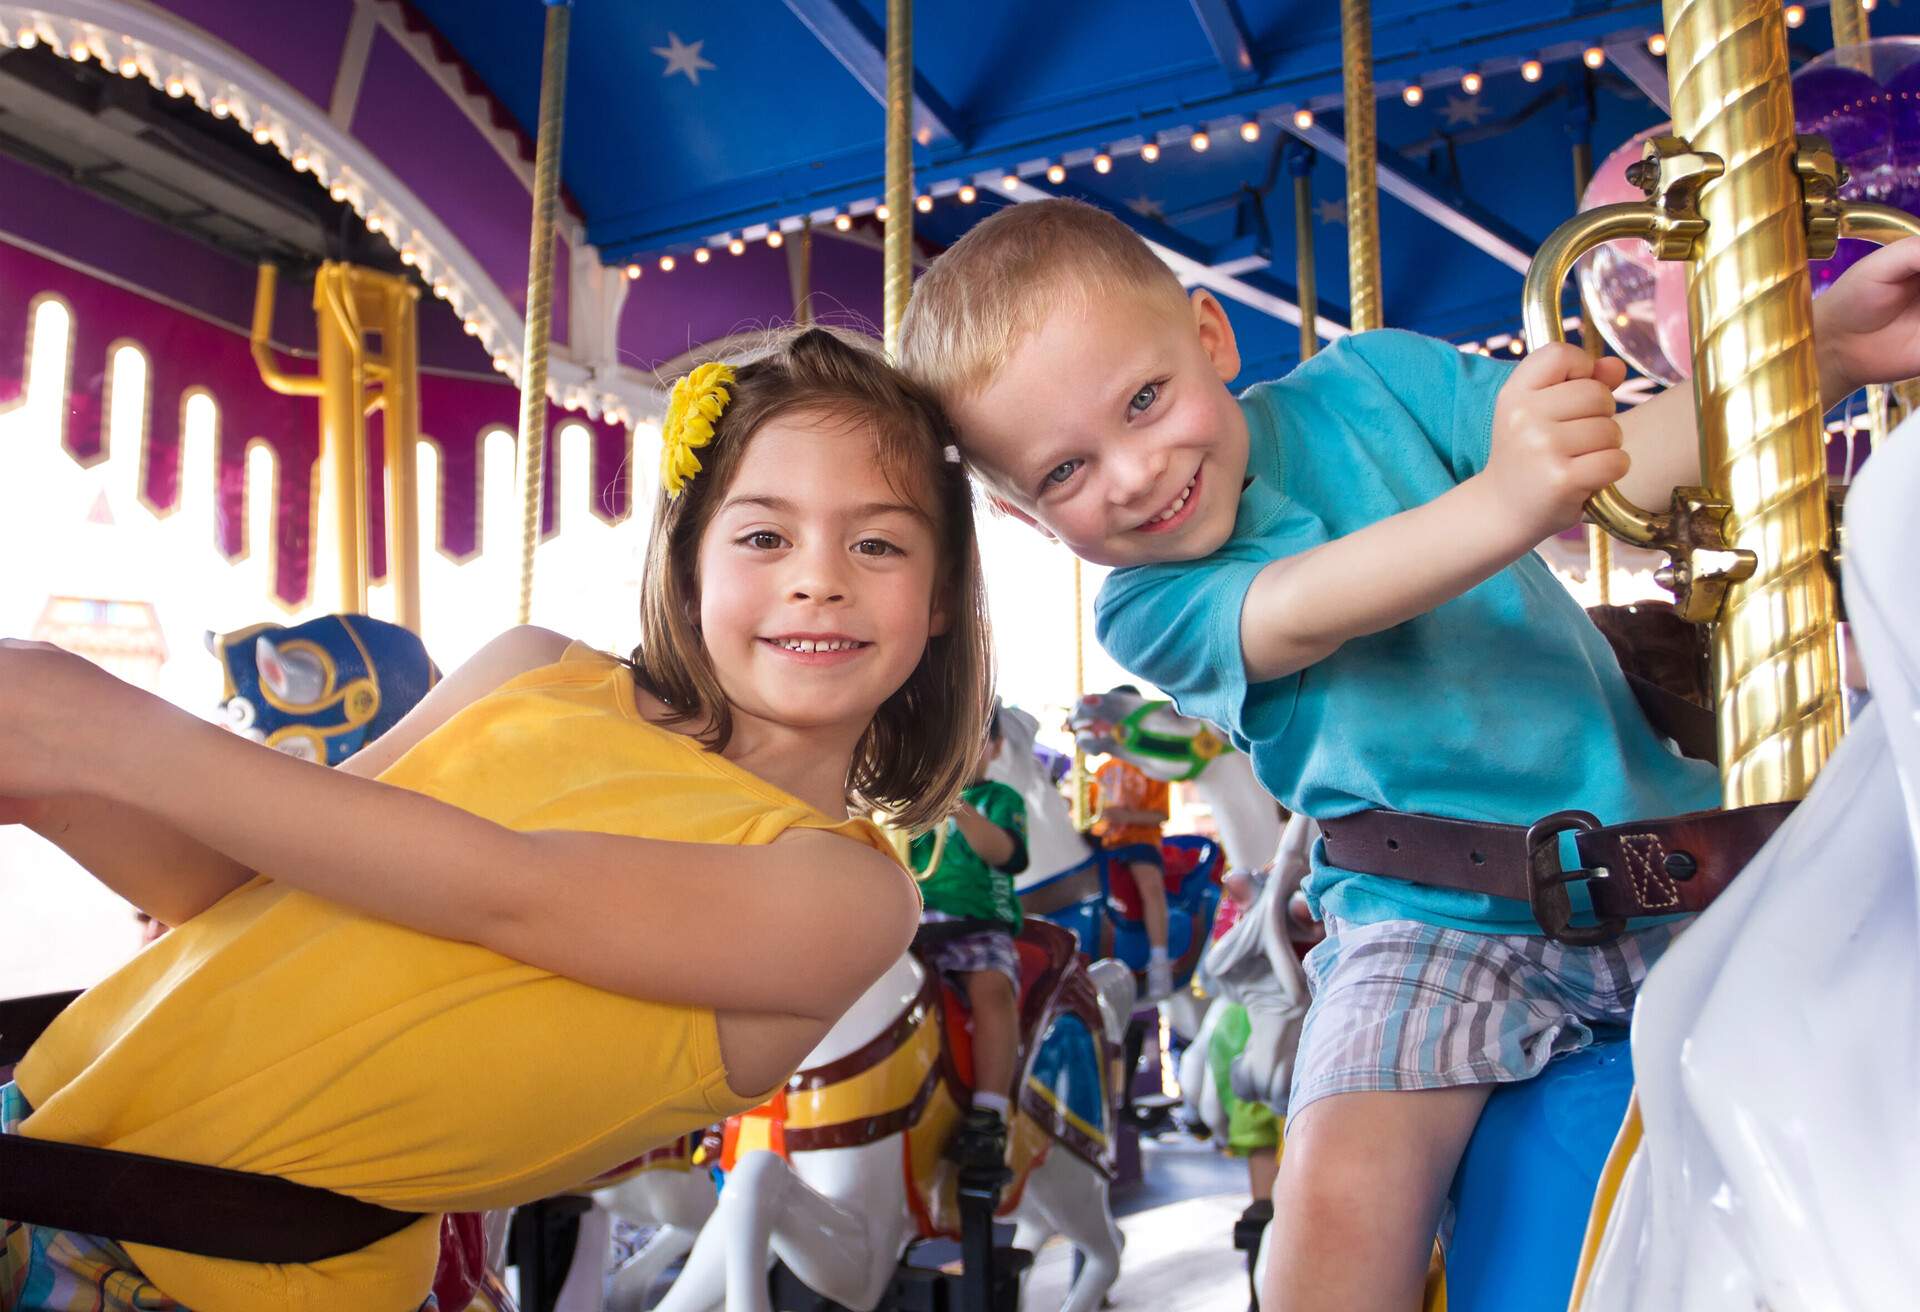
(966, 934)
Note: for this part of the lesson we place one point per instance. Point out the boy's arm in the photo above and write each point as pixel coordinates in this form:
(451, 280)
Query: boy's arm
(172, 876)
(1555, 441)
(989, 841)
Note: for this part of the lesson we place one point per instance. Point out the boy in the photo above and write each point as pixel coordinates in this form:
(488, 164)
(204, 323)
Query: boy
(1132, 809)
(967, 934)
(1337, 568)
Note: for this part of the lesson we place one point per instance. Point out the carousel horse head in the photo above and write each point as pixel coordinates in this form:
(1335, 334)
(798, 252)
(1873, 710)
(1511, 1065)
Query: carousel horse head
(324, 689)
(1149, 735)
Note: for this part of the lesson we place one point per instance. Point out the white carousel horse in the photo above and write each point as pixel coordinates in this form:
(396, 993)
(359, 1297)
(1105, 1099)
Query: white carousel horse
(1066, 880)
(1163, 744)
(670, 1191)
(1774, 1045)
(843, 1168)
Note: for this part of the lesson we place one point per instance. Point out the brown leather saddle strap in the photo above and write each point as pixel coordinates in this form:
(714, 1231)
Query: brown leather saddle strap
(1643, 868)
(239, 1215)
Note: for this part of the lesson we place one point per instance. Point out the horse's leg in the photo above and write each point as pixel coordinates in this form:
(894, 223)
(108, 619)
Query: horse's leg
(679, 1202)
(734, 1240)
(585, 1285)
(1072, 1197)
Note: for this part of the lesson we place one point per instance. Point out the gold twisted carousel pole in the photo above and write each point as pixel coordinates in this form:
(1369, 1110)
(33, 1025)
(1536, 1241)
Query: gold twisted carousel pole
(897, 250)
(539, 336)
(1077, 778)
(1300, 161)
(1776, 671)
(1851, 28)
(1363, 205)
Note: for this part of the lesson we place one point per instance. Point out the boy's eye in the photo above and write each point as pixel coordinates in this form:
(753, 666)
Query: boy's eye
(1060, 473)
(1143, 399)
(764, 540)
(876, 547)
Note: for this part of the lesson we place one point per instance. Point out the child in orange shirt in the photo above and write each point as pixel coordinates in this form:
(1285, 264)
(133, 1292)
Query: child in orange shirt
(1132, 808)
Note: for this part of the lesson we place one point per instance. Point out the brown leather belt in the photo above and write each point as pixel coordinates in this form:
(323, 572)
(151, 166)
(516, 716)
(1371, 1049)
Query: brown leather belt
(1644, 868)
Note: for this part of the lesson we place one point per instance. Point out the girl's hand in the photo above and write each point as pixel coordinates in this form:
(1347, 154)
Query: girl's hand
(59, 719)
(1866, 329)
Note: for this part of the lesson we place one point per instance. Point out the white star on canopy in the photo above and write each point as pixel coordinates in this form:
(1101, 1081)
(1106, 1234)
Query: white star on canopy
(1464, 110)
(1331, 211)
(682, 58)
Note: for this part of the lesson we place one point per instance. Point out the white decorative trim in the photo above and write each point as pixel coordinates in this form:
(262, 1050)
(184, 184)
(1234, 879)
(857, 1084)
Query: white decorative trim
(186, 62)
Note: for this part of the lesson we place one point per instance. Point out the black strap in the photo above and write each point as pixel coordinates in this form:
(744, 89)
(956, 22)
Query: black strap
(239, 1215)
(1690, 725)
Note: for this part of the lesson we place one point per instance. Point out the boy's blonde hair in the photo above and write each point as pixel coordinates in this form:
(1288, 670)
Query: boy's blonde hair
(919, 751)
(980, 299)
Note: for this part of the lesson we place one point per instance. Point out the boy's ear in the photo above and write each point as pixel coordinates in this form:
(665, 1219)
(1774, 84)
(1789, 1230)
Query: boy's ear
(1216, 334)
(1012, 511)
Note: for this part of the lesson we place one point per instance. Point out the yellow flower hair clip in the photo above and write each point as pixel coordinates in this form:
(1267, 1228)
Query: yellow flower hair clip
(694, 406)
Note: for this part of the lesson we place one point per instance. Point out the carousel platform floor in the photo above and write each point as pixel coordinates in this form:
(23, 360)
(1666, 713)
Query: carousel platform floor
(1179, 1228)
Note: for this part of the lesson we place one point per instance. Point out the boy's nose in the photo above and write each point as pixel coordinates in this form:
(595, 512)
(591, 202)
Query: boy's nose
(1136, 475)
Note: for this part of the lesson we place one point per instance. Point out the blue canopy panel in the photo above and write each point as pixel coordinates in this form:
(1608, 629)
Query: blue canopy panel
(690, 122)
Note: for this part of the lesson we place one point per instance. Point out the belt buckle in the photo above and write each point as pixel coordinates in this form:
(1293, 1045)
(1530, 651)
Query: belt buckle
(1547, 883)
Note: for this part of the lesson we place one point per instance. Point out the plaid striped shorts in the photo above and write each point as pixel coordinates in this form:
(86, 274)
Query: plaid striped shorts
(967, 954)
(1406, 1005)
(46, 1270)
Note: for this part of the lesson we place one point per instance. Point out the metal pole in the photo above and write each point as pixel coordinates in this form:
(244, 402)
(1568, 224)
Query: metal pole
(1077, 779)
(533, 357)
(897, 253)
(1776, 666)
(1363, 208)
(343, 437)
(1599, 544)
(800, 274)
(402, 423)
(1300, 162)
(1849, 23)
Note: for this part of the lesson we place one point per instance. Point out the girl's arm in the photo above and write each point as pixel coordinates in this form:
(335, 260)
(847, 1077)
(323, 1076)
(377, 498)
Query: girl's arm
(172, 876)
(814, 917)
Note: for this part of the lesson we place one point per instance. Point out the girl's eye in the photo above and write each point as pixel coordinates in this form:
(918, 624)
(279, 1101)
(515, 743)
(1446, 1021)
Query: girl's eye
(875, 547)
(1061, 472)
(764, 540)
(1143, 399)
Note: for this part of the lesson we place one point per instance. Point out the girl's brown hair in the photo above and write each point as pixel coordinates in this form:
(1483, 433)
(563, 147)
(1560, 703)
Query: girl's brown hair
(920, 749)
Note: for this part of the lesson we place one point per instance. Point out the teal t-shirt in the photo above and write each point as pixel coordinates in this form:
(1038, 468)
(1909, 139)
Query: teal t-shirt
(964, 884)
(1504, 704)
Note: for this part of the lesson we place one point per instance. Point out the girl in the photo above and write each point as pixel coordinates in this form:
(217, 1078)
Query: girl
(531, 865)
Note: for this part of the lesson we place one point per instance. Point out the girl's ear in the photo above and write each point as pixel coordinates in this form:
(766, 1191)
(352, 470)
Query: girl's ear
(939, 622)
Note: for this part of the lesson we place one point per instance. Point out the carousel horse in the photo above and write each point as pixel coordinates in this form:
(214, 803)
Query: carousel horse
(1779, 1150)
(669, 1188)
(843, 1168)
(321, 691)
(324, 689)
(1067, 880)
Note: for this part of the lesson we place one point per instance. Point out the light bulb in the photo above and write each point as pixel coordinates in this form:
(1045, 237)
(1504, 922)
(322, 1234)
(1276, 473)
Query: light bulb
(1250, 130)
(1200, 141)
(1414, 93)
(1796, 15)
(1593, 57)
(1103, 163)
(1472, 83)
(923, 203)
(666, 264)
(737, 247)
(702, 255)
(1011, 182)
(1657, 43)
(843, 221)
(882, 212)
(776, 239)
(633, 274)
(967, 194)
(1531, 70)
(1150, 152)
(1056, 173)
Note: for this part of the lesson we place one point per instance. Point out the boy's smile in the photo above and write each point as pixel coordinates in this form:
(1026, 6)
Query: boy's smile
(1110, 427)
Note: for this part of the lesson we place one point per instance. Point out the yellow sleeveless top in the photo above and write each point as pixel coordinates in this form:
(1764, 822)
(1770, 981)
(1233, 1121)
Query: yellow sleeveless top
(281, 1033)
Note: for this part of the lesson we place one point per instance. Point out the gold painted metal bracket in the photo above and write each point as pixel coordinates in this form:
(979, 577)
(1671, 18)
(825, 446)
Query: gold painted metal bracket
(1691, 530)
